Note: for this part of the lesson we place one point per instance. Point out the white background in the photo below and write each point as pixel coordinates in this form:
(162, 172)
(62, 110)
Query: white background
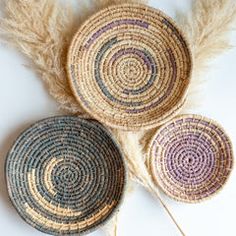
(24, 100)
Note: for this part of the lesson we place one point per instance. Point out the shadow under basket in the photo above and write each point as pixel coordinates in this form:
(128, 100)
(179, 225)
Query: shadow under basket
(65, 175)
(190, 158)
(129, 66)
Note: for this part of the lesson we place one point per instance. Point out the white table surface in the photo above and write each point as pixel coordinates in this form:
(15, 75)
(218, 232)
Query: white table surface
(24, 100)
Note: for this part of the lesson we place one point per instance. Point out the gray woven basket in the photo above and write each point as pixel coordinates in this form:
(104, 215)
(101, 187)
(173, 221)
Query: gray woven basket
(65, 175)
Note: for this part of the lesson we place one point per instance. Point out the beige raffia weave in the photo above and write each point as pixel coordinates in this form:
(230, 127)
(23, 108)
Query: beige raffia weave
(129, 66)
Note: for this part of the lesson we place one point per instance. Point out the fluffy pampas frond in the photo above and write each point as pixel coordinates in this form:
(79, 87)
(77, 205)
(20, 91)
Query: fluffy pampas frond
(207, 28)
(42, 30)
(129, 142)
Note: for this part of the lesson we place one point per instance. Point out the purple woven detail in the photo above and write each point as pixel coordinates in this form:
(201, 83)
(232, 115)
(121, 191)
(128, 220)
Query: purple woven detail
(112, 25)
(192, 157)
(190, 160)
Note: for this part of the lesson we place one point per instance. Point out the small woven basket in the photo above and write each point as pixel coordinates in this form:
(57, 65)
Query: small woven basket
(190, 158)
(65, 175)
(129, 66)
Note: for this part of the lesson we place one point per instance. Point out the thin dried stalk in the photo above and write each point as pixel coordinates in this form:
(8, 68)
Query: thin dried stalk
(129, 142)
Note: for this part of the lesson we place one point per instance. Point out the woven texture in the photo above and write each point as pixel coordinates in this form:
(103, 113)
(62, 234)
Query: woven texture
(190, 158)
(130, 66)
(65, 175)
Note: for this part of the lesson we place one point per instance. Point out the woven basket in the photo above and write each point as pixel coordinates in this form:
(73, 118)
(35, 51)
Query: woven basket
(130, 66)
(190, 158)
(65, 175)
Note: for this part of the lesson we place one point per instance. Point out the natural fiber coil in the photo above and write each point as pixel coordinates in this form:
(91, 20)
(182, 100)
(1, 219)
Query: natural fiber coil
(65, 175)
(190, 158)
(129, 66)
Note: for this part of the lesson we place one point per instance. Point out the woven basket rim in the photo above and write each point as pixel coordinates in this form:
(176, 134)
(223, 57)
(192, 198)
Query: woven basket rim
(150, 166)
(85, 120)
(151, 124)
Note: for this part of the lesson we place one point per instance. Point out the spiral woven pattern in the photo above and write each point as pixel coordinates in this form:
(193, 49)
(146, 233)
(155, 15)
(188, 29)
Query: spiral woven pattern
(129, 66)
(65, 175)
(191, 158)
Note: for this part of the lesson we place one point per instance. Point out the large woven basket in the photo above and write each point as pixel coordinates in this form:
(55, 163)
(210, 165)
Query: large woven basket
(130, 66)
(65, 175)
(191, 158)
